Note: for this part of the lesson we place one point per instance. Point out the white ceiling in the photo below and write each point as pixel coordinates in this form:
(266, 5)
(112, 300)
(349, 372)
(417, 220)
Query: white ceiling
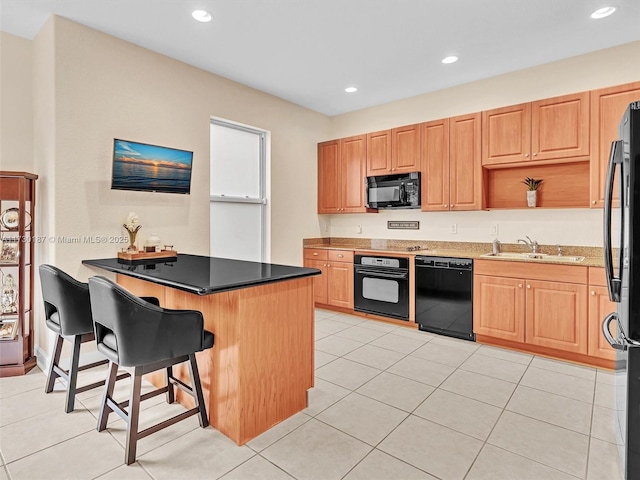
(308, 51)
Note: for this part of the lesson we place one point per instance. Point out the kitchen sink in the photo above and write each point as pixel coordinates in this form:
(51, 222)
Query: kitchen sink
(543, 257)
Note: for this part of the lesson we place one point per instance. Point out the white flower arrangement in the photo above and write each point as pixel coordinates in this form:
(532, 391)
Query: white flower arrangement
(132, 224)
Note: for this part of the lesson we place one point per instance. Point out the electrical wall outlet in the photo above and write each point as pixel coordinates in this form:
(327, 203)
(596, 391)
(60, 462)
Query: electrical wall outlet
(453, 228)
(358, 228)
(493, 230)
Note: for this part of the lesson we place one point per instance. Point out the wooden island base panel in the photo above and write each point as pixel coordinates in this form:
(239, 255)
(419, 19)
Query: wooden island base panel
(261, 365)
(262, 362)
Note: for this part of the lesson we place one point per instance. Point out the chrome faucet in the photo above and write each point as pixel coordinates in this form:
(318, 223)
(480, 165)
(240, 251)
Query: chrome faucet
(532, 244)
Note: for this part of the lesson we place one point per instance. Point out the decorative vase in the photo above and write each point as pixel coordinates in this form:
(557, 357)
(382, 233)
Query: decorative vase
(132, 241)
(531, 198)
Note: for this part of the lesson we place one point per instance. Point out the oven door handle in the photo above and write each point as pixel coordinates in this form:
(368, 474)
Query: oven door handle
(381, 274)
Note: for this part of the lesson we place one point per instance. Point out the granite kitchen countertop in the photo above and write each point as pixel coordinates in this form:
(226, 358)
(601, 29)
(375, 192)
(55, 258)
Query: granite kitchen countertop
(593, 256)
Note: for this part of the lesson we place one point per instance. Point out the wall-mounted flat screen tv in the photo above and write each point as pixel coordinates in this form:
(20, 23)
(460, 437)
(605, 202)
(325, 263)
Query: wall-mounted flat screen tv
(150, 168)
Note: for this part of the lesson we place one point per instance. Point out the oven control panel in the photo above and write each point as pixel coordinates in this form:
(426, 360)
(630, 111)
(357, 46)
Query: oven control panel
(385, 262)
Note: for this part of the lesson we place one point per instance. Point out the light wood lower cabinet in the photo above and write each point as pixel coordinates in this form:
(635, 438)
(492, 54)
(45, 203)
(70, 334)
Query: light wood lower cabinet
(599, 307)
(335, 285)
(498, 307)
(555, 310)
(556, 315)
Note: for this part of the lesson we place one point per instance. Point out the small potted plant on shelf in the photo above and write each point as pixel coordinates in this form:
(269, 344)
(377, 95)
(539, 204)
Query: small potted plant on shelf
(532, 190)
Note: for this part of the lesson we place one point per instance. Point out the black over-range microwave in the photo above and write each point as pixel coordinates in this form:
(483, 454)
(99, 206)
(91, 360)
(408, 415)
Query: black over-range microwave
(394, 191)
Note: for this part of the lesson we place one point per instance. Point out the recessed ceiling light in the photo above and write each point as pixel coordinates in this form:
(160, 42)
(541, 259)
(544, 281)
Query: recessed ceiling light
(603, 12)
(351, 89)
(450, 59)
(201, 15)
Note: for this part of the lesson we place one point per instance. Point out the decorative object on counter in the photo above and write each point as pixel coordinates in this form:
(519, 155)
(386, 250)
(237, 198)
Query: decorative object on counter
(9, 294)
(8, 328)
(165, 255)
(132, 225)
(9, 250)
(152, 244)
(532, 190)
(395, 225)
(10, 219)
(495, 246)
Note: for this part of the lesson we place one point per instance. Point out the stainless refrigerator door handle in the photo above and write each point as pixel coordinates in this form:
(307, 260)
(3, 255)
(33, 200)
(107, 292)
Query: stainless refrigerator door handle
(613, 283)
(607, 333)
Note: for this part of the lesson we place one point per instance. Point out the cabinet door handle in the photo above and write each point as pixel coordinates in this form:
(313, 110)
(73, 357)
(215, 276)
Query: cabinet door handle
(328, 265)
(528, 286)
(519, 285)
(445, 205)
(593, 293)
(593, 202)
(535, 154)
(526, 154)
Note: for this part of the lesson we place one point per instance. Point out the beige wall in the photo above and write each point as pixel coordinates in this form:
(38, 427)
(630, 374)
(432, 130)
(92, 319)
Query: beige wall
(89, 88)
(607, 67)
(16, 104)
(108, 88)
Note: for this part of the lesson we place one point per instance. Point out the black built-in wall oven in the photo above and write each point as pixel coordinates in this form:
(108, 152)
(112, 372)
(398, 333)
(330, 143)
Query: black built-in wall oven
(381, 286)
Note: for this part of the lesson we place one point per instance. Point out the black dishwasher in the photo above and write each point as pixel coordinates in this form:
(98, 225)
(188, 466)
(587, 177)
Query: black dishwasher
(444, 296)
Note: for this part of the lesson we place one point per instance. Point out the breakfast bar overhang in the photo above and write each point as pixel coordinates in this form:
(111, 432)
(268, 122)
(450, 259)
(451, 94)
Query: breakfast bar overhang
(262, 316)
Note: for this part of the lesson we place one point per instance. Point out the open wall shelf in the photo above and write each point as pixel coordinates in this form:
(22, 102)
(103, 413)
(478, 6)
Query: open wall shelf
(566, 185)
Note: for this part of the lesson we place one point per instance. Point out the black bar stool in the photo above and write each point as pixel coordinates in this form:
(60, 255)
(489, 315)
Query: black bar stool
(142, 338)
(68, 313)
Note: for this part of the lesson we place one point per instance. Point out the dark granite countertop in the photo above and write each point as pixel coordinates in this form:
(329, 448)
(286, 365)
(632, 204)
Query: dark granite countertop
(203, 275)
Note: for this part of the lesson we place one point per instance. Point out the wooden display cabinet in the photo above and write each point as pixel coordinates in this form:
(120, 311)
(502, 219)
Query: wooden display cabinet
(17, 208)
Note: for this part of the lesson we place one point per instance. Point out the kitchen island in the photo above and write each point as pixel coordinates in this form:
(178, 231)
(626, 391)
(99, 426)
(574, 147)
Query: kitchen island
(262, 315)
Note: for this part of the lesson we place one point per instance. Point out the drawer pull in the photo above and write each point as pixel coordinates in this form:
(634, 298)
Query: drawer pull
(315, 254)
(340, 255)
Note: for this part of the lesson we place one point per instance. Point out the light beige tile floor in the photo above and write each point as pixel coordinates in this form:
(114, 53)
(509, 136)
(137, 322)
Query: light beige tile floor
(388, 403)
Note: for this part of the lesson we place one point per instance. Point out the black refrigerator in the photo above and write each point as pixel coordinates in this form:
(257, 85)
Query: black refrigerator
(622, 264)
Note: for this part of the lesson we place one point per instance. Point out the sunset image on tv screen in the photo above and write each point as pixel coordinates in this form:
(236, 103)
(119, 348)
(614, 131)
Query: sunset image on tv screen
(138, 166)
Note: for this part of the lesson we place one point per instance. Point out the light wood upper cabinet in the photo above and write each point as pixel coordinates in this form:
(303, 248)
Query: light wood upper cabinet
(553, 129)
(353, 159)
(465, 168)
(607, 107)
(390, 152)
(556, 315)
(341, 175)
(560, 127)
(498, 307)
(506, 134)
(379, 153)
(405, 149)
(435, 165)
(329, 177)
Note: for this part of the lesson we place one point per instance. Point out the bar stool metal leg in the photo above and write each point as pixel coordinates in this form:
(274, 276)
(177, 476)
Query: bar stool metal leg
(197, 391)
(107, 395)
(55, 359)
(73, 374)
(133, 417)
(171, 397)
